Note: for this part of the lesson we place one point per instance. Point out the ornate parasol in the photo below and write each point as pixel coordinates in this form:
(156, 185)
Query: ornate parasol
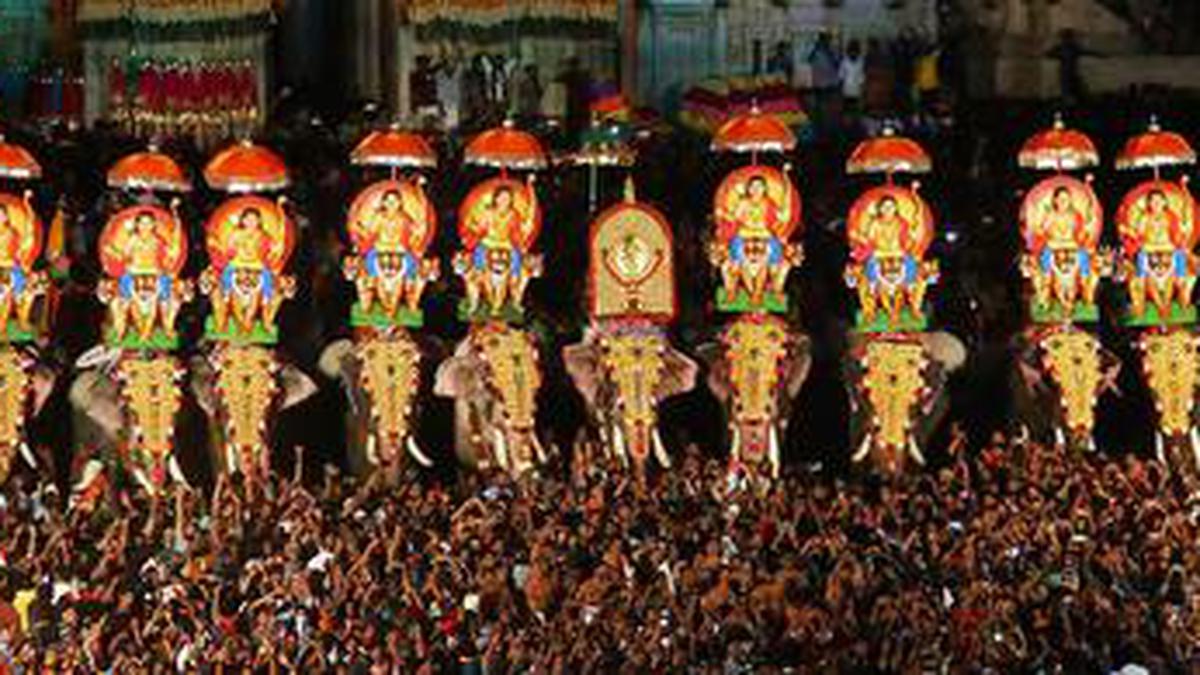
(889, 153)
(1155, 149)
(604, 144)
(148, 170)
(753, 132)
(1058, 149)
(394, 148)
(16, 162)
(506, 147)
(246, 167)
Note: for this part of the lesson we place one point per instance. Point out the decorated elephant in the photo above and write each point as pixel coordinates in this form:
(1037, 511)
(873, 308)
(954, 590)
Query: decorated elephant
(493, 377)
(898, 398)
(140, 428)
(623, 374)
(241, 390)
(756, 370)
(25, 385)
(1171, 367)
(1060, 373)
(381, 379)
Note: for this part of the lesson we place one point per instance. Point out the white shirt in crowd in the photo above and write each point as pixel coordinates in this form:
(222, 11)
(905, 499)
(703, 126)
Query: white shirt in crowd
(852, 73)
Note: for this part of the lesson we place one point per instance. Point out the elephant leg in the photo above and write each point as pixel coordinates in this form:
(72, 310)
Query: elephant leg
(270, 310)
(365, 285)
(413, 296)
(1137, 296)
(759, 287)
(1186, 284)
(866, 298)
(220, 305)
(1041, 289)
(731, 279)
(6, 306)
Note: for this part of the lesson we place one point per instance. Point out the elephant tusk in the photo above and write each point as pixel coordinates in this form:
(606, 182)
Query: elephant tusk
(915, 451)
(1023, 435)
(735, 444)
(618, 445)
(1091, 443)
(91, 471)
(660, 450)
(410, 444)
(144, 481)
(1060, 441)
(27, 455)
(864, 449)
(1196, 447)
(500, 448)
(177, 472)
(773, 451)
(372, 450)
(1159, 447)
(538, 450)
(231, 461)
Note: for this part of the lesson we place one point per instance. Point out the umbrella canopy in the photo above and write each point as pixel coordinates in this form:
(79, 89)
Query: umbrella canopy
(394, 148)
(1059, 149)
(889, 153)
(604, 144)
(1154, 149)
(754, 131)
(246, 167)
(148, 170)
(16, 162)
(505, 147)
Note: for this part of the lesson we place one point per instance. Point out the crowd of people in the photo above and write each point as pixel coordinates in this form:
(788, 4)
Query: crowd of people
(1020, 559)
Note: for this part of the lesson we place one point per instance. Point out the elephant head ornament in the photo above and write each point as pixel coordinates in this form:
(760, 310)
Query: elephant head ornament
(756, 371)
(623, 376)
(381, 377)
(493, 377)
(898, 388)
(240, 389)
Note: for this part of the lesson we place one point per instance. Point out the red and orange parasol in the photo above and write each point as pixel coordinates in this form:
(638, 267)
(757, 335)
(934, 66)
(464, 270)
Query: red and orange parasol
(148, 170)
(16, 162)
(246, 167)
(394, 148)
(1155, 149)
(889, 153)
(1058, 149)
(753, 132)
(506, 147)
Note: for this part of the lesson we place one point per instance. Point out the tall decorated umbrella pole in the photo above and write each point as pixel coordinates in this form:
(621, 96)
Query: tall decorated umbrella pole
(759, 360)
(897, 367)
(25, 380)
(391, 224)
(249, 239)
(1061, 222)
(1156, 225)
(625, 365)
(494, 374)
(135, 373)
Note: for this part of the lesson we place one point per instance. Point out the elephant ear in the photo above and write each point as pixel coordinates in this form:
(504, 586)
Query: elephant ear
(202, 383)
(43, 384)
(95, 394)
(297, 386)
(679, 373)
(458, 375)
(582, 363)
(333, 358)
(947, 350)
(712, 355)
(798, 366)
